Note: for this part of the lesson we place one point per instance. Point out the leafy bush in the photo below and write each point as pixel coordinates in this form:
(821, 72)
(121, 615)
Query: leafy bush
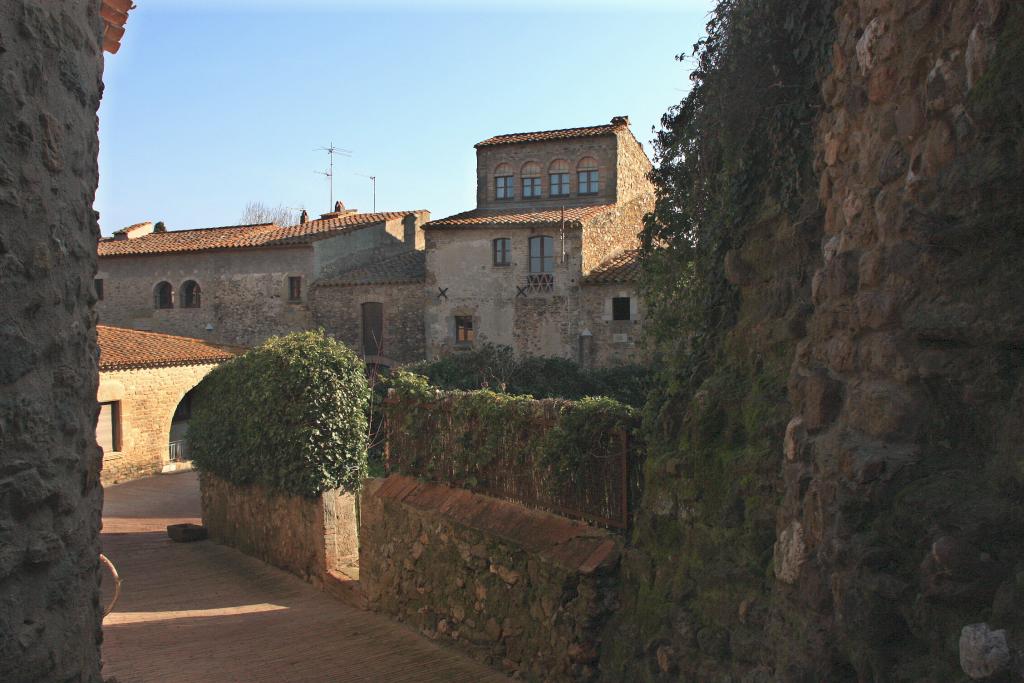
(496, 368)
(290, 414)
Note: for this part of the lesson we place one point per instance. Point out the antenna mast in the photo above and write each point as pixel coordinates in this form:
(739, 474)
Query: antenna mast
(331, 151)
(373, 180)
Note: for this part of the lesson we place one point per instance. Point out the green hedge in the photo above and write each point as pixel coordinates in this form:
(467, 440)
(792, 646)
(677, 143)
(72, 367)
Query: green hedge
(496, 368)
(290, 414)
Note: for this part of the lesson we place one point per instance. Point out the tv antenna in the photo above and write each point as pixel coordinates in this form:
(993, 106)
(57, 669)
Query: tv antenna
(373, 180)
(331, 151)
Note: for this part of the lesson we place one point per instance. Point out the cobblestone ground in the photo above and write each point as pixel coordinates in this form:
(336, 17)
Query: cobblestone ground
(202, 612)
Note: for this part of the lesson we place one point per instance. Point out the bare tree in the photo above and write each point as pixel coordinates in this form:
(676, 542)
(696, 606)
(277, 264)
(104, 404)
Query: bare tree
(258, 212)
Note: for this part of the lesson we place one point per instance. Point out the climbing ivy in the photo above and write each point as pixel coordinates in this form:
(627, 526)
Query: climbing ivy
(290, 414)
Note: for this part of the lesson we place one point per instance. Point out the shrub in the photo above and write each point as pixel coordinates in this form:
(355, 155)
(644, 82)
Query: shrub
(496, 368)
(290, 414)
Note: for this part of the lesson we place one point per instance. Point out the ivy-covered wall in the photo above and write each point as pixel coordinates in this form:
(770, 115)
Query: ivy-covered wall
(833, 485)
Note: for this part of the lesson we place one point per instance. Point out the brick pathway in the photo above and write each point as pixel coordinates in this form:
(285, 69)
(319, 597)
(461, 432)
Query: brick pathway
(202, 612)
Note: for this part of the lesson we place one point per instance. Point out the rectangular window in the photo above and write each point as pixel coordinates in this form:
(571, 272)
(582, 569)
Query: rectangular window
(108, 427)
(588, 182)
(620, 308)
(373, 328)
(503, 187)
(531, 187)
(295, 288)
(464, 329)
(502, 251)
(559, 184)
(98, 284)
(542, 256)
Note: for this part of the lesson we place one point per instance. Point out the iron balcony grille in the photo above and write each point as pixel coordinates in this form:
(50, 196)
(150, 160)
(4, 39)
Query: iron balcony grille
(540, 283)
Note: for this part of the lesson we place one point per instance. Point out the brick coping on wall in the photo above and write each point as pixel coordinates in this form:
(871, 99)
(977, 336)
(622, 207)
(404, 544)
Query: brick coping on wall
(571, 545)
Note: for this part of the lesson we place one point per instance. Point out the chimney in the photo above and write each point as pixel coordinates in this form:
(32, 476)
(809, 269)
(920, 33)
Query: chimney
(620, 121)
(134, 231)
(303, 217)
(339, 211)
(159, 227)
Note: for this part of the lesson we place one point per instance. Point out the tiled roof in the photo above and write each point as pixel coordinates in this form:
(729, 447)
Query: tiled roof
(115, 14)
(243, 236)
(622, 267)
(122, 349)
(518, 216)
(407, 267)
(542, 135)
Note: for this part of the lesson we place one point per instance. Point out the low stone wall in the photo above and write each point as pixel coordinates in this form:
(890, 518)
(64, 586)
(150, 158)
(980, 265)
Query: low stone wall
(522, 590)
(307, 537)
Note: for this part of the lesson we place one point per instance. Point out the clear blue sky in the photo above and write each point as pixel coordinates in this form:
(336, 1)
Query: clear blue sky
(211, 104)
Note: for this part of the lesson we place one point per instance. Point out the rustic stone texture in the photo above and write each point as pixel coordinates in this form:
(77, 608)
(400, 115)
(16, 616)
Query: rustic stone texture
(307, 537)
(612, 341)
(338, 310)
(50, 497)
(148, 398)
(522, 590)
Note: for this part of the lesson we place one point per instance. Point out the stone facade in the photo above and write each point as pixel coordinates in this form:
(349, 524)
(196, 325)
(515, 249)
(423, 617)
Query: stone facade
(146, 400)
(611, 341)
(310, 538)
(51, 66)
(524, 591)
(463, 280)
(245, 291)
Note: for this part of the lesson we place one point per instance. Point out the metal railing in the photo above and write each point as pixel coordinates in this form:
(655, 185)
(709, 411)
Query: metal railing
(177, 451)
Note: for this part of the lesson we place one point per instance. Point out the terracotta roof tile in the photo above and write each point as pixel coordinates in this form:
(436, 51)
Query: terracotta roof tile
(122, 349)
(407, 267)
(244, 236)
(544, 135)
(518, 216)
(621, 267)
(115, 15)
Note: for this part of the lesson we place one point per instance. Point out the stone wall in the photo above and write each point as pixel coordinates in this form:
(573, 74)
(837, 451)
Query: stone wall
(50, 495)
(307, 537)
(147, 400)
(460, 260)
(524, 591)
(615, 230)
(244, 293)
(612, 342)
(338, 310)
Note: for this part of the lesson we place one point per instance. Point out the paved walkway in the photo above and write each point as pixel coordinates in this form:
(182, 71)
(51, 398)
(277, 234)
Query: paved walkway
(202, 612)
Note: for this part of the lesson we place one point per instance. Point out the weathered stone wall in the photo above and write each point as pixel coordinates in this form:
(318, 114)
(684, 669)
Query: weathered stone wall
(903, 480)
(338, 310)
(50, 496)
(461, 261)
(633, 168)
(307, 537)
(615, 230)
(607, 344)
(244, 293)
(147, 400)
(525, 591)
(366, 244)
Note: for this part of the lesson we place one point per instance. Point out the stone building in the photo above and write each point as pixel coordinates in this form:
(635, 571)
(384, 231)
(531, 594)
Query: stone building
(145, 380)
(239, 284)
(555, 210)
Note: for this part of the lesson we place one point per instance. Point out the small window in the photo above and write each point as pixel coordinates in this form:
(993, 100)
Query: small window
(559, 184)
(108, 427)
(503, 187)
(98, 285)
(163, 295)
(542, 254)
(464, 329)
(502, 251)
(191, 294)
(531, 187)
(620, 308)
(295, 288)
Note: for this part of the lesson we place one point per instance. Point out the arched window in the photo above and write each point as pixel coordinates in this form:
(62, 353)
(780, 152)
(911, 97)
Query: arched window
(191, 295)
(163, 295)
(558, 178)
(504, 187)
(530, 173)
(586, 173)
